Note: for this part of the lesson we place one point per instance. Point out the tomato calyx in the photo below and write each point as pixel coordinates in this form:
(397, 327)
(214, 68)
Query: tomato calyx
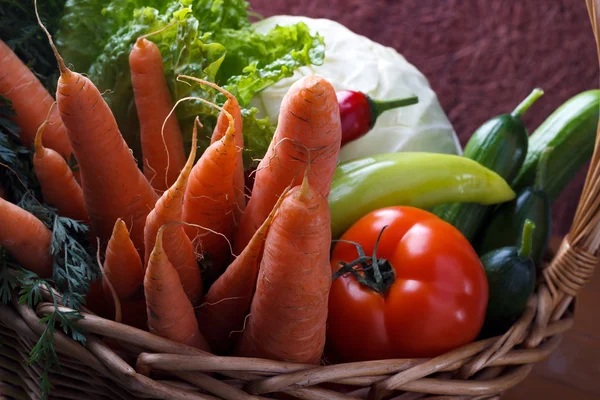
(376, 274)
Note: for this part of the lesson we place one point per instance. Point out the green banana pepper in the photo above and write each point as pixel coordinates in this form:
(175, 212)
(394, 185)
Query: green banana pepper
(415, 179)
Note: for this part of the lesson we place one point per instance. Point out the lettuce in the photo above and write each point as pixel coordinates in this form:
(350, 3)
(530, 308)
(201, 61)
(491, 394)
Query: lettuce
(209, 39)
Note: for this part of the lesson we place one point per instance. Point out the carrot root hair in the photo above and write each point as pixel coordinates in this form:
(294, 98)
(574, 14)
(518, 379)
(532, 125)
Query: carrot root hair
(206, 83)
(294, 142)
(220, 89)
(243, 327)
(61, 63)
(217, 302)
(202, 227)
(113, 292)
(153, 170)
(164, 28)
(162, 129)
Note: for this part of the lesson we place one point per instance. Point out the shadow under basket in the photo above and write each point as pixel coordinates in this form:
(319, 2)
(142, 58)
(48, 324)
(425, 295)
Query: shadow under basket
(122, 362)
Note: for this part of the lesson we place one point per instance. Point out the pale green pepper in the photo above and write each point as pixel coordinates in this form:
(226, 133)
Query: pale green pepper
(416, 179)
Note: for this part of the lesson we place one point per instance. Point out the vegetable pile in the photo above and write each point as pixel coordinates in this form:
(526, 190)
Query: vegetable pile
(394, 255)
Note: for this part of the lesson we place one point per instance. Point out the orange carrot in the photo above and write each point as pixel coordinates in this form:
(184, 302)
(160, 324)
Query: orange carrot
(170, 313)
(26, 238)
(123, 269)
(122, 263)
(288, 314)
(59, 186)
(228, 301)
(232, 107)
(209, 200)
(163, 152)
(113, 186)
(177, 244)
(31, 102)
(309, 116)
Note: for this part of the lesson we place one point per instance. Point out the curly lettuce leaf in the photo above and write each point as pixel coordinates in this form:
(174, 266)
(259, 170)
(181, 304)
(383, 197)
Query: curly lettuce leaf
(258, 133)
(88, 25)
(184, 52)
(208, 39)
(257, 61)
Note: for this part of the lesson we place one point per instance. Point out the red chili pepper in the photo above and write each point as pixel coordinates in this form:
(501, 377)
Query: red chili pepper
(359, 112)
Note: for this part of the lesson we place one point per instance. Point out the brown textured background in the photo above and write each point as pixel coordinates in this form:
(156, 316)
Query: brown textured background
(482, 57)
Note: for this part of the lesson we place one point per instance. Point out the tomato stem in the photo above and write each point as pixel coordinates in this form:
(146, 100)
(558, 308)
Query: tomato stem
(376, 274)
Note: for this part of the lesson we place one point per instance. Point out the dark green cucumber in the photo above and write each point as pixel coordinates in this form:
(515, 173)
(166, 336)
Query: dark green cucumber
(571, 131)
(507, 222)
(500, 144)
(511, 275)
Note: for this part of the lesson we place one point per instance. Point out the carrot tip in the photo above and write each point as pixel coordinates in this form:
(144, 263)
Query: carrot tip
(159, 237)
(38, 145)
(140, 42)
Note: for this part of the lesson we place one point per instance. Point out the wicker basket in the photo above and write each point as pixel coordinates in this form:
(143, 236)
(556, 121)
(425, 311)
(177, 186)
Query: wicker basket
(480, 370)
(121, 362)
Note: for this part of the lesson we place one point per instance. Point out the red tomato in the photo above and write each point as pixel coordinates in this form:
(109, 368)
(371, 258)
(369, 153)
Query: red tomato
(436, 302)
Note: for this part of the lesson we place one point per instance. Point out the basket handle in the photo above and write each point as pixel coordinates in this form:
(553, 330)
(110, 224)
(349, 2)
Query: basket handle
(577, 256)
(570, 270)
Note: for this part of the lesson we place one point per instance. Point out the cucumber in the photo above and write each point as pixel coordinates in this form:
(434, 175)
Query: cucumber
(508, 220)
(511, 276)
(571, 131)
(500, 145)
(506, 224)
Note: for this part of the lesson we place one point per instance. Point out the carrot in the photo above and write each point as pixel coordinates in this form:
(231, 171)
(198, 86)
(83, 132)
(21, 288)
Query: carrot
(177, 244)
(26, 238)
(31, 102)
(113, 186)
(122, 263)
(227, 302)
(170, 312)
(123, 269)
(232, 107)
(209, 200)
(163, 152)
(289, 309)
(309, 115)
(59, 186)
